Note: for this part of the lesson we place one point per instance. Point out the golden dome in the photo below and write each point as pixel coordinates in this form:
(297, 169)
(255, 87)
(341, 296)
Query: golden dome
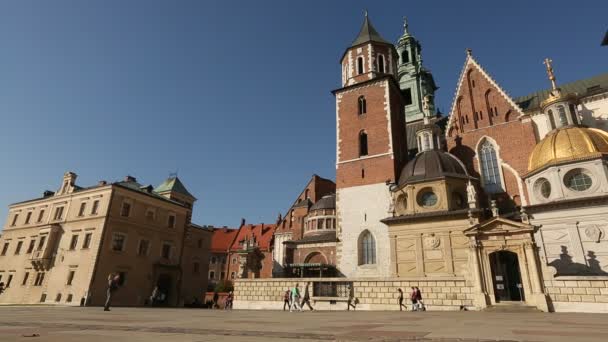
(568, 144)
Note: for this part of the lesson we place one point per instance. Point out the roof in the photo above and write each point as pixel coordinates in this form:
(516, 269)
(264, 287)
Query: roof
(326, 202)
(222, 239)
(368, 34)
(584, 87)
(329, 236)
(432, 164)
(261, 232)
(305, 203)
(173, 184)
(568, 144)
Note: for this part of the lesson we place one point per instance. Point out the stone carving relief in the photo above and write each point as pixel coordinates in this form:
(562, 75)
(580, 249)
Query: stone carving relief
(594, 233)
(432, 241)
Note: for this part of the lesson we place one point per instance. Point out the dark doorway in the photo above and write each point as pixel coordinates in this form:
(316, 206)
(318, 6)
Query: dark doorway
(164, 289)
(506, 276)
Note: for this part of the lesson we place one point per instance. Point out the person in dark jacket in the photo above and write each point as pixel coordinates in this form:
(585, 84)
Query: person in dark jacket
(419, 299)
(306, 298)
(352, 301)
(286, 297)
(113, 283)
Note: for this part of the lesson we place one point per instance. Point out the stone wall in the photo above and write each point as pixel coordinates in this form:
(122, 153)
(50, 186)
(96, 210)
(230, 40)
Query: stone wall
(578, 293)
(439, 294)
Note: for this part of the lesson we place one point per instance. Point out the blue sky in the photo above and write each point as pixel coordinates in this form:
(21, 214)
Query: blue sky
(235, 95)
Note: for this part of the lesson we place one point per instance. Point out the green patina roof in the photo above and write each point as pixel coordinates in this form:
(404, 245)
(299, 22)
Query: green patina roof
(586, 87)
(368, 34)
(173, 184)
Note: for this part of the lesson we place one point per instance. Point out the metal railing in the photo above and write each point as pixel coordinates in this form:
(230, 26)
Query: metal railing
(331, 288)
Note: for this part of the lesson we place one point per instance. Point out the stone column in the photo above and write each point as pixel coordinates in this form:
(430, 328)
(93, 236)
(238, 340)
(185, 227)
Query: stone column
(479, 292)
(394, 258)
(537, 297)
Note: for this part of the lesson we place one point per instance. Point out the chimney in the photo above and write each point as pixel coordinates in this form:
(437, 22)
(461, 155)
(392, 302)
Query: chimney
(48, 193)
(242, 222)
(130, 179)
(102, 183)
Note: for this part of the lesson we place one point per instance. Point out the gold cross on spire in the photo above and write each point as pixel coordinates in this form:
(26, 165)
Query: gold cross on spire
(548, 62)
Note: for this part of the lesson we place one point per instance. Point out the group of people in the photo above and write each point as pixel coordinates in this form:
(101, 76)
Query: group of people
(415, 297)
(294, 300)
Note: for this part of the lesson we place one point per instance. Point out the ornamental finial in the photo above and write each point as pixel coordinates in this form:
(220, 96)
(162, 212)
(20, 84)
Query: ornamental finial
(405, 26)
(469, 52)
(550, 73)
(365, 11)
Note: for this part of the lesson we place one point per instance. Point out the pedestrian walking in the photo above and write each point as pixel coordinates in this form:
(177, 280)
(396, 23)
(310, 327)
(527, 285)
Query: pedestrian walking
(229, 300)
(306, 298)
(295, 299)
(286, 299)
(401, 305)
(154, 296)
(352, 301)
(414, 299)
(216, 298)
(419, 299)
(113, 282)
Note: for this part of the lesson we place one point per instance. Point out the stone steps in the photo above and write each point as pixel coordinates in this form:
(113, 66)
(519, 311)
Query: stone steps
(511, 307)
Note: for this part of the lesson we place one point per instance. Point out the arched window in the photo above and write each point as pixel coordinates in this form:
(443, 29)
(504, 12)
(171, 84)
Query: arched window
(362, 105)
(426, 146)
(359, 65)
(490, 173)
(405, 57)
(563, 119)
(362, 144)
(551, 119)
(381, 63)
(367, 249)
(573, 114)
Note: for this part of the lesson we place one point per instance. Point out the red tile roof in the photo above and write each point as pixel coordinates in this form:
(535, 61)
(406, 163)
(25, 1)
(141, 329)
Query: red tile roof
(262, 232)
(222, 239)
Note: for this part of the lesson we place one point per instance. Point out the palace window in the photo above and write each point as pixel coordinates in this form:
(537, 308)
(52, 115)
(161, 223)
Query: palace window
(125, 210)
(58, 213)
(74, 242)
(143, 248)
(30, 248)
(95, 207)
(5, 248)
(28, 216)
(87, 240)
(41, 242)
(405, 57)
(83, 206)
(118, 242)
(25, 277)
(381, 63)
(19, 245)
(166, 250)
(362, 144)
(489, 168)
(551, 119)
(171, 221)
(359, 65)
(40, 215)
(362, 105)
(367, 249)
(71, 277)
(15, 219)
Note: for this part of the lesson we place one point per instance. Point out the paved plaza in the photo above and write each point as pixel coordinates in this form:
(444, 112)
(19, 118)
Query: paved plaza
(67, 324)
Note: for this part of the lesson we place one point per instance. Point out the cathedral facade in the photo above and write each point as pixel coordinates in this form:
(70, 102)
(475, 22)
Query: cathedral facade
(503, 202)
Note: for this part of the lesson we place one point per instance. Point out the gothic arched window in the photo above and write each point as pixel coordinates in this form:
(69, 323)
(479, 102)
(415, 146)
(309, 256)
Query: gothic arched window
(381, 63)
(359, 65)
(367, 249)
(362, 105)
(362, 144)
(490, 172)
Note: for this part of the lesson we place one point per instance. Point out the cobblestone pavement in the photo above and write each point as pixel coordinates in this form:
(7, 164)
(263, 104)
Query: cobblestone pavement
(70, 324)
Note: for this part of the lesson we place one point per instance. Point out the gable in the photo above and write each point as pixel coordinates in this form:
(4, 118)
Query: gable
(479, 101)
(500, 226)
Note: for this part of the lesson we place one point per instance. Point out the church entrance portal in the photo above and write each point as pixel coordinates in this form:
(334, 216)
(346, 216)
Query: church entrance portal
(506, 276)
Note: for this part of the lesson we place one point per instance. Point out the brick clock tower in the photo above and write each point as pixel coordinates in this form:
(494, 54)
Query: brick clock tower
(371, 149)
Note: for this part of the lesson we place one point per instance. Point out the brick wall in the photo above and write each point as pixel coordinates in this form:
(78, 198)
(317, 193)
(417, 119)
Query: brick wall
(438, 293)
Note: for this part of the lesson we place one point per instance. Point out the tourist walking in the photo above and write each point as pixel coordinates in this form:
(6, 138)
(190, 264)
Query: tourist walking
(306, 298)
(113, 282)
(229, 300)
(352, 301)
(414, 299)
(154, 296)
(401, 305)
(295, 299)
(216, 298)
(419, 299)
(286, 297)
